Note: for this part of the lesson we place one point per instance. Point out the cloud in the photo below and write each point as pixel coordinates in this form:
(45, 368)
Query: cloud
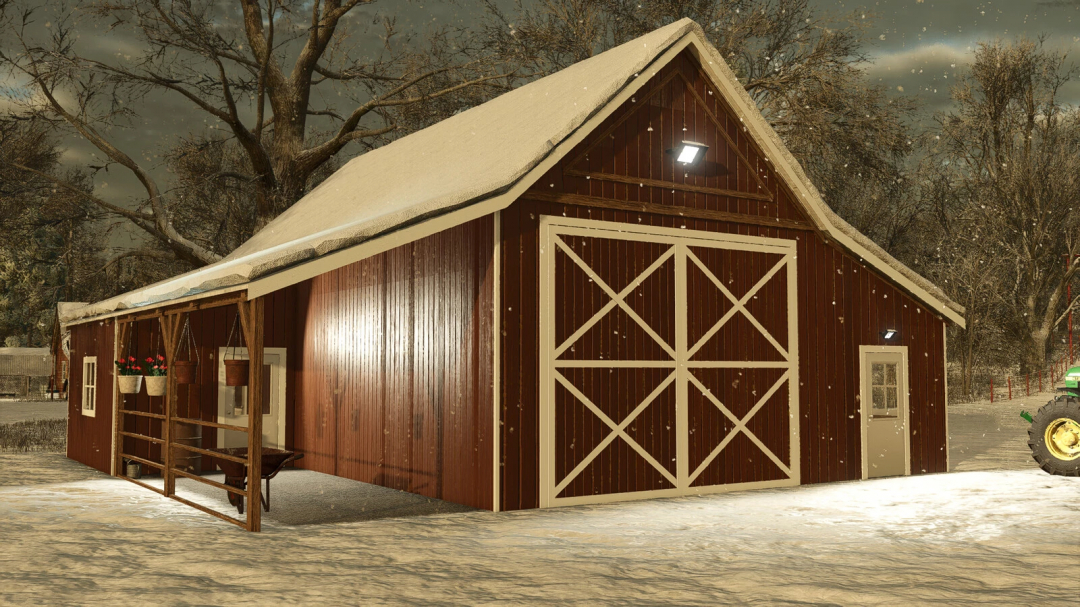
(926, 57)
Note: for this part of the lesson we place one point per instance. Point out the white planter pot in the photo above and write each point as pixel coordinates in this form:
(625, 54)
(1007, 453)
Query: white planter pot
(130, 384)
(155, 384)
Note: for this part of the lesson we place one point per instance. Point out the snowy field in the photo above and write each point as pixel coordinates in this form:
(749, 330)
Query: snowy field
(997, 531)
(22, 410)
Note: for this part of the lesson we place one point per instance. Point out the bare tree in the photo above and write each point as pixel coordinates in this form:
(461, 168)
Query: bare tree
(962, 256)
(1012, 151)
(259, 69)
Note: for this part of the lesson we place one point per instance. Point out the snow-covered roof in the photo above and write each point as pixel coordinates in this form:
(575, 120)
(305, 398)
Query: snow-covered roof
(477, 156)
(68, 309)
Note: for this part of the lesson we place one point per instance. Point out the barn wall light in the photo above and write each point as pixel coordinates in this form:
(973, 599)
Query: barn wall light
(689, 152)
(890, 333)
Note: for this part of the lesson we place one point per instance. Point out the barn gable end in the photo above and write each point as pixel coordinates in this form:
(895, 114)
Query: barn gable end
(622, 171)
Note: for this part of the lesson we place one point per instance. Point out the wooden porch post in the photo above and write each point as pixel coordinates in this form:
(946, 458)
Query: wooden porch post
(251, 317)
(123, 330)
(170, 326)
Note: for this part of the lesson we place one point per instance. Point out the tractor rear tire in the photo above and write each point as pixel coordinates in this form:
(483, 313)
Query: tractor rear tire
(1054, 437)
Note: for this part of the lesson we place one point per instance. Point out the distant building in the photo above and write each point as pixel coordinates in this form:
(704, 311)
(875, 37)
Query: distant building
(61, 348)
(25, 372)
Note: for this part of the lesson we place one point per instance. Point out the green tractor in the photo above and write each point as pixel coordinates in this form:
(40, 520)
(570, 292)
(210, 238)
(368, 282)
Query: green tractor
(1054, 436)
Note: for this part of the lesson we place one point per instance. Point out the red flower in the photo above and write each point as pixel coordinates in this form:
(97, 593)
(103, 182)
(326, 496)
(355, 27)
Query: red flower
(131, 359)
(160, 357)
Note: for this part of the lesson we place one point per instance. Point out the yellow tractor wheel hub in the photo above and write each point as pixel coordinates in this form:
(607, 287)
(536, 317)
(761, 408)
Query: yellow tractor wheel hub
(1063, 439)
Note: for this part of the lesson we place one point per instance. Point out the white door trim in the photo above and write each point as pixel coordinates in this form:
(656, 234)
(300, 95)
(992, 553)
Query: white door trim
(904, 392)
(496, 356)
(277, 370)
(945, 381)
(680, 240)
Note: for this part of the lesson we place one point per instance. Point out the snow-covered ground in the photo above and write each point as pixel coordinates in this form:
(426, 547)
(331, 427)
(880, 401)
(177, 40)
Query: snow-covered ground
(21, 410)
(998, 531)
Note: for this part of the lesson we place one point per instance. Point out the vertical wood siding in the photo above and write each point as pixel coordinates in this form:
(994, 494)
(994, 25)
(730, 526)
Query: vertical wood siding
(842, 303)
(89, 439)
(395, 377)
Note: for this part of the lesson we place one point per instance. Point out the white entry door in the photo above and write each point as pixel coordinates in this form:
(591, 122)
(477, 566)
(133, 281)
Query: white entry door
(232, 400)
(885, 414)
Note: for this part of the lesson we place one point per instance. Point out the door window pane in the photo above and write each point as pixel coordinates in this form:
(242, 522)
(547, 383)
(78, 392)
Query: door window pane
(879, 400)
(885, 389)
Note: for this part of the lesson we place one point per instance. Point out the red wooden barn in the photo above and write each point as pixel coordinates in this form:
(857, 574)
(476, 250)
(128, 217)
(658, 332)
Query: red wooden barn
(544, 301)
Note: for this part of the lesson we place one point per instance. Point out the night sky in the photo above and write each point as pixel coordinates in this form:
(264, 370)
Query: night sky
(916, 47)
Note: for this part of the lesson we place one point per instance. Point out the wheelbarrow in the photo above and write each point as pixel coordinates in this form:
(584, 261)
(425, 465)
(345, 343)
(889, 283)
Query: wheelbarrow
(273, 461)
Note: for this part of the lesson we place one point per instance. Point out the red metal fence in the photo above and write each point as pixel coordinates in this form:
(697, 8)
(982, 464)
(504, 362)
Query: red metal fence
(1015, 386)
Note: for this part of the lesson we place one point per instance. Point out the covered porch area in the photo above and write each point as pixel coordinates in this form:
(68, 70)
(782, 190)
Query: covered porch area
(172, 441)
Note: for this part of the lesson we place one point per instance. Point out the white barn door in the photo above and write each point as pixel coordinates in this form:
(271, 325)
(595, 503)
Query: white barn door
(668, 362)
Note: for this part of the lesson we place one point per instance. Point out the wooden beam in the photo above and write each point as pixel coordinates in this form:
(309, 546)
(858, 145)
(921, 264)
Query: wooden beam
(142, 484)
(206, 424)
(656, 183)
(224, 517)
(119, 350)
(166, 325)
(156, 441)
(209, 453)
(227, 299)
(252, 318)
(142, 413)
(142, 461)
(171, 325)
(663, 209)
(206, 481)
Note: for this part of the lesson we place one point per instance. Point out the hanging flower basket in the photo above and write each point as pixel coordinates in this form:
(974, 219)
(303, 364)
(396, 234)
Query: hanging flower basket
(130, 380)
(236, 372)
(130, 384)
(185, 371)
(156, 378)
(155, 384)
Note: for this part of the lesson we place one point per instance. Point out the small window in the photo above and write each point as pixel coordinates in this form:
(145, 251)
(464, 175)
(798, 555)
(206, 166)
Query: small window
(884, 390)
(89, 387)
(63, 369)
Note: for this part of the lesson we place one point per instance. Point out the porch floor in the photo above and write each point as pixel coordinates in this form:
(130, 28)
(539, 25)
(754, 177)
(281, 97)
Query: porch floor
(304, 497)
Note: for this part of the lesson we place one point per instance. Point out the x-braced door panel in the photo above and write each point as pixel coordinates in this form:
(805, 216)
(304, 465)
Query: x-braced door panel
(668, 362)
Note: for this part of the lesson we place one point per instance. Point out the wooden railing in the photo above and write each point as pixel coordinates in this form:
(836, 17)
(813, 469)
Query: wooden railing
(171, 321)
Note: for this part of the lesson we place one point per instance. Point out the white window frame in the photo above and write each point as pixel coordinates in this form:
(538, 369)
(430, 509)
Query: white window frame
(89, 386)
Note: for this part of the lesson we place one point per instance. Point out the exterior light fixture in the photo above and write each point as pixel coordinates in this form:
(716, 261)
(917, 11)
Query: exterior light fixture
(889, 333)
(688, 152)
